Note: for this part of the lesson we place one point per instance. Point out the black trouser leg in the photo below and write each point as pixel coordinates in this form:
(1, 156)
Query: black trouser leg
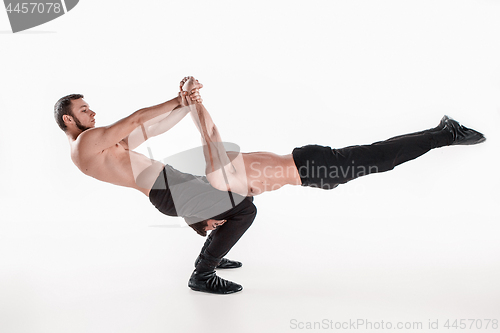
(218, 244)
(207, 242)
(222, 239)
(326, 168)
(383, 156)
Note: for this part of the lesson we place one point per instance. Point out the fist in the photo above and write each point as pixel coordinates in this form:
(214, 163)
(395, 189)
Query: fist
(189, 87)
(190, 83)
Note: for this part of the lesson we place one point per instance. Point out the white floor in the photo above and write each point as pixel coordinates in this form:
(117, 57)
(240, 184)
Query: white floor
(388, 247)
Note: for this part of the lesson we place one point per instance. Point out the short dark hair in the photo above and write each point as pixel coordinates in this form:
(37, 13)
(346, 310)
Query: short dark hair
(63, 107)
(199, 227)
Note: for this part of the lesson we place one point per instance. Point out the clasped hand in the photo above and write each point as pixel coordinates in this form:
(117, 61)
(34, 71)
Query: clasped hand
(190, 91)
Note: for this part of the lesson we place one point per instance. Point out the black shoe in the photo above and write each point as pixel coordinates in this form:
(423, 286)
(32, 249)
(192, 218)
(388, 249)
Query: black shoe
(223, 264)
(442, 123)
(461, 134)
(226, 263)
(209, 282)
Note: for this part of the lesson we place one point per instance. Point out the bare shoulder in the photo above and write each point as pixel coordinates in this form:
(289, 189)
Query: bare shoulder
(87, 141)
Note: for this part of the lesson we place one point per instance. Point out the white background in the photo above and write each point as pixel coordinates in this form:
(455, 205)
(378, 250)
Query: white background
(417, 243)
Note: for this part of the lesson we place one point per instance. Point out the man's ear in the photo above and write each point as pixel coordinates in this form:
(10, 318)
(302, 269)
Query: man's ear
(67, 118)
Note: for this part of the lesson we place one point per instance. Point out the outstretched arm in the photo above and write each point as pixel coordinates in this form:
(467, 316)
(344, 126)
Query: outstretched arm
(213, 147)
(223, 173)
(215, 154)
(98, 139)
(161, 123)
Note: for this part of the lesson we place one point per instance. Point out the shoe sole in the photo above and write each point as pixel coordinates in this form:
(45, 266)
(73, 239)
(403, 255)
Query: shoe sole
(209, 292)
(476, 139)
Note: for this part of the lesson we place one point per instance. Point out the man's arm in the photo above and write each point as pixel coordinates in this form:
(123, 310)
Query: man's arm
(155, 126)
(98, 139)
(213, 147)
(162, 123)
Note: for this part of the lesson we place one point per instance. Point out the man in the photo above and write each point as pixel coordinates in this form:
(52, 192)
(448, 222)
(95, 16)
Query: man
(106, 153)
(250, 174)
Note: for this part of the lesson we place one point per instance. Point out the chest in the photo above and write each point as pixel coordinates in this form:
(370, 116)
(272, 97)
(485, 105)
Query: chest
(88, 161)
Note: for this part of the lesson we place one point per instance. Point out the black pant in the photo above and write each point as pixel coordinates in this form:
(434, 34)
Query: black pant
(222, 239)
(326, 168)
(176, 193)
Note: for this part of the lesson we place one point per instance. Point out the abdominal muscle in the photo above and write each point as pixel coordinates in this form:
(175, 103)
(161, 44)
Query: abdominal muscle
(268, 171)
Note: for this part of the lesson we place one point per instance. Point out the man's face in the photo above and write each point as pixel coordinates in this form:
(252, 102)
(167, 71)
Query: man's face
(83, 116)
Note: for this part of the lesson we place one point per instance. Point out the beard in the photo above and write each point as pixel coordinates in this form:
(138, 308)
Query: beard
(80, 126)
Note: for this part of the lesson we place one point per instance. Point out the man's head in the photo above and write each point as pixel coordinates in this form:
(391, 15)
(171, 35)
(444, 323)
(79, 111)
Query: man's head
(202, 227)
(72, 112)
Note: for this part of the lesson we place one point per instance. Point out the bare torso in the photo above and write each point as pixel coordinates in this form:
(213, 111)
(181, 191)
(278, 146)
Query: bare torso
(263, 171)
(117, 165)
(256, 172)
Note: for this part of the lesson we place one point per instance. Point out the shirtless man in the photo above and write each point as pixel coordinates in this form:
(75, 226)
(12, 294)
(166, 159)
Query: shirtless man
(106, 153)
(250, 174)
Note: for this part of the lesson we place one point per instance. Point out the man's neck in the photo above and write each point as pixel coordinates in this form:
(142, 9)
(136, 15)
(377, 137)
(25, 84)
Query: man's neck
(73, 134)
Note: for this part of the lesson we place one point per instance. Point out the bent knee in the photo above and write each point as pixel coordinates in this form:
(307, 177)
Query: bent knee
(250, 208)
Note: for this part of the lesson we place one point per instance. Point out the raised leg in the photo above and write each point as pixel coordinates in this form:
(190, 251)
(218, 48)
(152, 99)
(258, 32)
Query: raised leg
(326, 168)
